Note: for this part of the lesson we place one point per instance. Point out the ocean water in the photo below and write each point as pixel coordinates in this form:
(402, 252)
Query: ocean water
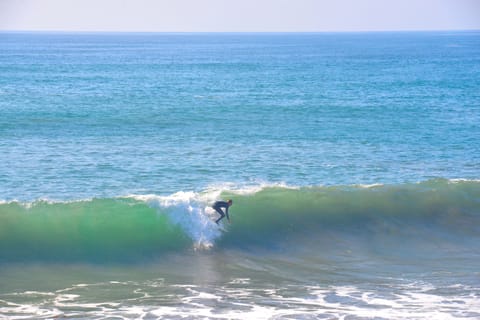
(353, 160)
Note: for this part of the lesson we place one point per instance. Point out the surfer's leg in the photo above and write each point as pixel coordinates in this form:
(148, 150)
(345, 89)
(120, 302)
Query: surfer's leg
(222, 215)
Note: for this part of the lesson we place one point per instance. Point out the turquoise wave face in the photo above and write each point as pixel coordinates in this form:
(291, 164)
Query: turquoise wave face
(98, 230)
(146, 227)
(361, 213)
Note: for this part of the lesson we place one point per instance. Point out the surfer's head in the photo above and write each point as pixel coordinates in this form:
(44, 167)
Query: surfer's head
(230, 202)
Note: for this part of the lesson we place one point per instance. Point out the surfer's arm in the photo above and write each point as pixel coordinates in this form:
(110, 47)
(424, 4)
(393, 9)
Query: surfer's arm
(226, 213)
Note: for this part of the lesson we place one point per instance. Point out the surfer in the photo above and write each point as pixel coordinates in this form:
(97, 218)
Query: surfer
(218, 205)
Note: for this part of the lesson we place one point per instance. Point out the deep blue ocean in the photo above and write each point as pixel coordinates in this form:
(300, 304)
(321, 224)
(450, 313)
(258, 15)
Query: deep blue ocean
(353, 160)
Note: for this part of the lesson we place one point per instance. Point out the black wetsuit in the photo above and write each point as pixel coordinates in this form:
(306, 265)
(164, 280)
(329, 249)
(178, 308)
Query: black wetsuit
(218, 207)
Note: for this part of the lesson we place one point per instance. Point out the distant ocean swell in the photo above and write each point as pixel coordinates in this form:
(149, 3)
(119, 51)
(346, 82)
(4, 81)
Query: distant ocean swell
(137, 227)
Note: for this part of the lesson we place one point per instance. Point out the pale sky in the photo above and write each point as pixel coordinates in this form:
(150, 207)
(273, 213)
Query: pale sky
(238, 15)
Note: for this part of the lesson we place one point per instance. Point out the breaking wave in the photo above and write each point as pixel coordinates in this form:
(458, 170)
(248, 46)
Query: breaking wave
(137, 227)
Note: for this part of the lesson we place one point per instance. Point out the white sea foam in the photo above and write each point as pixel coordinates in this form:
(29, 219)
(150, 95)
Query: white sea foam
(368, 186)
(246, 188)
(191, 212)
(412, 301)
(460, 180)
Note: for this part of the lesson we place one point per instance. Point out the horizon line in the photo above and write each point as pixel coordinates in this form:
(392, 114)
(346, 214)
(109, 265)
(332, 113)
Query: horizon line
(236, 32)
